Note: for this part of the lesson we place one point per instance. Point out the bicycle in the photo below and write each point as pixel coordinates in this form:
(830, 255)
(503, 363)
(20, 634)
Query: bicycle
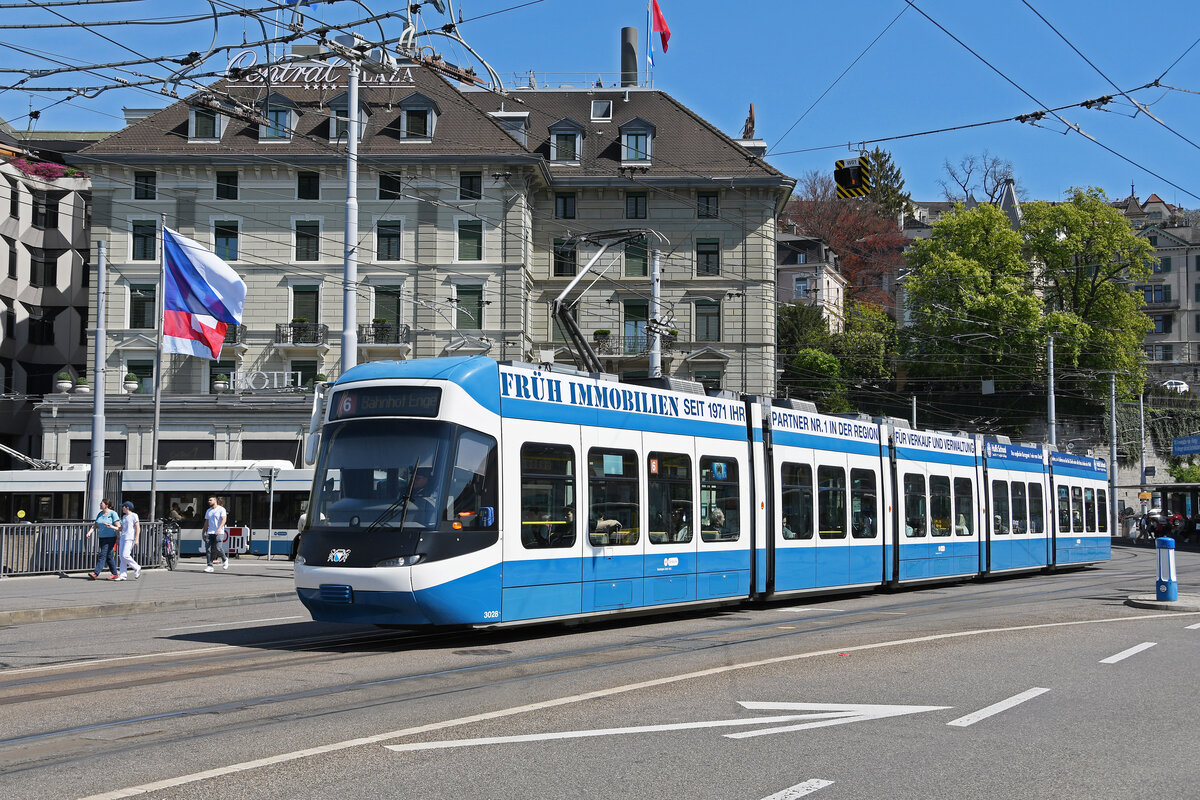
(170, 543)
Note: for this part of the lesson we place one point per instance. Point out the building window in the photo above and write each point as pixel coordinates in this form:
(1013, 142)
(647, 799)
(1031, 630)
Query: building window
(416, 123)
(637, 314)
(143, 369)
(800, 288)
(1197, 323)
(45, 210)
(470, 240)
(43, 267)
(710, 379)
(564, 205)
(1159, 293)
(279, 123)
(388, 241)
(635, 146)
(470, 186)
(387, 304)
(636, 258)
(564, 147)
(1162, 323)
(306, 303)
(308, 186)
(145, 185)
(143, 306)
(227, 186)
(145, 235)
(304, 372)
(390, 186)
(635, 205)
(708, 257)
(225, 240)
(308, 241)
(601, 110)
(12, 258)
(708, 204)
(708, 321)
(41, 324)
(226, 367)
(204, 124)
(339, 123)
(565, 258)
(14, 198)
(469, 312)
(1160, 352)
(1163, 265)
(10, 319)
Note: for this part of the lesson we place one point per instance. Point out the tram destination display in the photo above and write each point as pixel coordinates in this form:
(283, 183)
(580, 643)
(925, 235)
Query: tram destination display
(387, 401)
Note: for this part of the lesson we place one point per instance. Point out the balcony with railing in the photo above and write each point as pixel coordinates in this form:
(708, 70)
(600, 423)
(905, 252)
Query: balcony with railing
(301, 337)
(235, 334)
(385, 338)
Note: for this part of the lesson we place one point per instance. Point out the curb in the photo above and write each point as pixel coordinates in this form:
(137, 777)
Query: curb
(1186, 602)
(31, 615)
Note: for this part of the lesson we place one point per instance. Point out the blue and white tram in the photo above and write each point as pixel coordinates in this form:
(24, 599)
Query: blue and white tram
(461, 491)
(1082, 534)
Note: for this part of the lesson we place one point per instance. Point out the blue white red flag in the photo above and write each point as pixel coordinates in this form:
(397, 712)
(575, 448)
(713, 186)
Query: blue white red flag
(202, 297)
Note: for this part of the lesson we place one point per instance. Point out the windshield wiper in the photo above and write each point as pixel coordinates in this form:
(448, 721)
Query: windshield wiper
(390, 511)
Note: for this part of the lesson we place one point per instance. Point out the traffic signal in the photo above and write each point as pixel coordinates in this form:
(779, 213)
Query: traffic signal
(853, 177)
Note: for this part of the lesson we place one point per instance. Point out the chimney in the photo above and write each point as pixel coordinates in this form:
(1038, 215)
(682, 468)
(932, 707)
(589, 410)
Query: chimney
(629, 57)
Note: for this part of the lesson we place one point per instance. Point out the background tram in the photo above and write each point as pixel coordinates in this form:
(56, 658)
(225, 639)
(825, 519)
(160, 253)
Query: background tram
(60, 494)
(461, 491)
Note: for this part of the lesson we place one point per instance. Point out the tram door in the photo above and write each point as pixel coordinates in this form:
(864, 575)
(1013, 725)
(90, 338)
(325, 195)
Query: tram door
(616, 526)
(543, 532)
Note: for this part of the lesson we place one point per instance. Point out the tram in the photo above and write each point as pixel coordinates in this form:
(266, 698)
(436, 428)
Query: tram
(464, 491)
(58, 495)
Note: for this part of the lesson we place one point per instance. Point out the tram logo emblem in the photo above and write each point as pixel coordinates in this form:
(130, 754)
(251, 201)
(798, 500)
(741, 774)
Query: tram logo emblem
(671, 561)
(340, 556)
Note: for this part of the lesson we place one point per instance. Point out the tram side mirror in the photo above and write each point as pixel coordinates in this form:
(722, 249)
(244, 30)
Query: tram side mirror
(486, 517)
(310, 447)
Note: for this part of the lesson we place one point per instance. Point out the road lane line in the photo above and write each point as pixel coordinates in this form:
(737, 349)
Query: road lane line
(996, 708)
(1193, 627)
(229, 623)
(1124, 654)
(282, 758)
(800, 790)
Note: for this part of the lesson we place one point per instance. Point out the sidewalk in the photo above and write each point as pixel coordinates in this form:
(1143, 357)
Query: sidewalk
(45, 598)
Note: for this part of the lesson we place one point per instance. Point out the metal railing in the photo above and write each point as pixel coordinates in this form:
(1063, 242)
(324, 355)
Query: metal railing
(614, 345)
(301, 333)
(57, 547)
(235, 334)
(383, 333)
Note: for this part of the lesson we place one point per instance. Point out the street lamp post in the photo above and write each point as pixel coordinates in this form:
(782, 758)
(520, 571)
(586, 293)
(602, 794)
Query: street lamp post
(268, 475)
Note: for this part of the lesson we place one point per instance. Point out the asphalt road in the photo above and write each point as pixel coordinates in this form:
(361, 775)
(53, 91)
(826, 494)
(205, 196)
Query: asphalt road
(1035, 686)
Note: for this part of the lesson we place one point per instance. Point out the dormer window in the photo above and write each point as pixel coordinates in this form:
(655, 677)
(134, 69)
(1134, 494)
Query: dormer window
(339, 118)
(279, 119)
(566, 138)
(602, 110)
(205, 125)
(418, 117)
(637, 137)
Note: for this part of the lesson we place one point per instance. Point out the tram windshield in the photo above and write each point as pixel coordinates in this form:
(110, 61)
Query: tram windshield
(419, 475)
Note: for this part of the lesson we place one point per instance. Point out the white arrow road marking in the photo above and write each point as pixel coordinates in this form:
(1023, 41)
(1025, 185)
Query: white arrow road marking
(996, 708)
(827, 714)
(541, 737)
(1193, 627)
(800, 790)
(1124, 654)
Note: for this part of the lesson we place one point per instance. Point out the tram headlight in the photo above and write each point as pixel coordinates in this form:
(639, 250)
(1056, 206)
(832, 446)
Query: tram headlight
(401, 561)
(300, 560)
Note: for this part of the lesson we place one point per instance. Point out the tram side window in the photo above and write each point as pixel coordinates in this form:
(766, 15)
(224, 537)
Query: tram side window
(547, 496)
(914, 506)
(473, 484)
(831, 502)
(796, 485)
(1019, 522)
(669, 482)
(1089, 509)
(1000, 518)
(1064, 509)
(1077, 509)
(964, 504)
(939, 505)
(1037, 516)
(864, 510)
(612, 497)
(720, 500)
(1102, 509)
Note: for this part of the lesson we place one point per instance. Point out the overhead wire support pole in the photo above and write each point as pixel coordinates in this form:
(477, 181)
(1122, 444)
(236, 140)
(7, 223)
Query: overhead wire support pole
(96, 476)
(350, 265)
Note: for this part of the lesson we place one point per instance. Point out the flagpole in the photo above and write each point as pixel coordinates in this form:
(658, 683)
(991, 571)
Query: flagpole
(649, 44)
(161, 305)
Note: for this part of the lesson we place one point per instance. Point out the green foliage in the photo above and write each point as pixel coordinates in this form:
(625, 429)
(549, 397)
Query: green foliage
(1184, 473)
(815, 375)
(868, 345)
(887, 185)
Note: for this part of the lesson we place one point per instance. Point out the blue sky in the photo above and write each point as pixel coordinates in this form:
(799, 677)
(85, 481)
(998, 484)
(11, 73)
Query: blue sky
(782, 56)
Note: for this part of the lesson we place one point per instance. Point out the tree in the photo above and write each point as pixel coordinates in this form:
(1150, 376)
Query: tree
(887, 185)
(980, 177)
(867, 345)
(975, 314)
(1087, 259)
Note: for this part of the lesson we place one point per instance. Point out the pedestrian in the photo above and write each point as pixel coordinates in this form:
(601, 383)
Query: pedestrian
(214, 530)
(106, 527)
(131, 529)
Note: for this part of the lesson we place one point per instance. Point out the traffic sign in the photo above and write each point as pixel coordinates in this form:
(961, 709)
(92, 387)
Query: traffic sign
(853, 177)
(1185, 445)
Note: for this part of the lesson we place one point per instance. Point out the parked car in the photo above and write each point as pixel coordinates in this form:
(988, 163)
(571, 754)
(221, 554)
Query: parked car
(1175, 385)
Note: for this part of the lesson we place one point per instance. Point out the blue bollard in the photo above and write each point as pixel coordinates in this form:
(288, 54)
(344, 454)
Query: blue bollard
(1166, 587)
